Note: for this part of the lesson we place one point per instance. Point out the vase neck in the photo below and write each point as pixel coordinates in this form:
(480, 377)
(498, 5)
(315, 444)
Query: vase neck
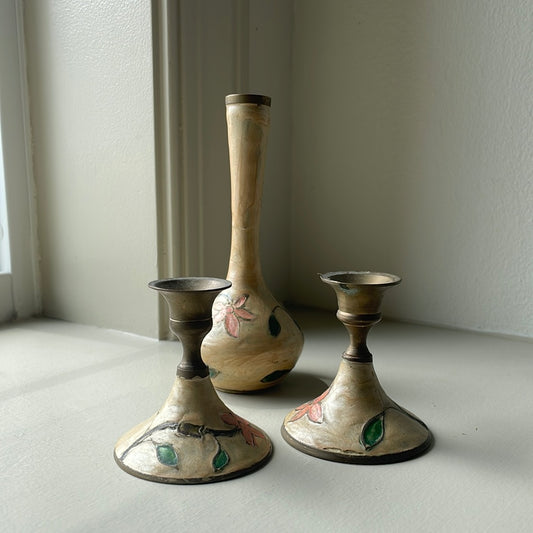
(248, 126)
(244, 263)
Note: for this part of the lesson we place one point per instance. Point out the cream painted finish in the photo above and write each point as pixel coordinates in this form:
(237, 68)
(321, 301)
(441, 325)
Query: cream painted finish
(355, 398)
(188, 422)
(413, 153)
(91, 92)
(254, 342)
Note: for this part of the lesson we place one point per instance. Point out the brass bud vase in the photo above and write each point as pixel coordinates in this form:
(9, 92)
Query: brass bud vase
(254, 342)
(194, 437)
(354, 421)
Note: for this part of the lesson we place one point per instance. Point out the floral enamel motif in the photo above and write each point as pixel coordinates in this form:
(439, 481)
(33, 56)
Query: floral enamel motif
(248, 431)
(312, 409)
(232, 313)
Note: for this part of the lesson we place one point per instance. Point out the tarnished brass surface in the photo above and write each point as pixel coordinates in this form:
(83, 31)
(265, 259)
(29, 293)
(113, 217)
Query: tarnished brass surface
(194, 437)
(354, 421)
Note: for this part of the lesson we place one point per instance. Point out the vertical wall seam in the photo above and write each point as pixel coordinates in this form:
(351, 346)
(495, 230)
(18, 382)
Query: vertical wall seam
(200, 148)
(242, 45)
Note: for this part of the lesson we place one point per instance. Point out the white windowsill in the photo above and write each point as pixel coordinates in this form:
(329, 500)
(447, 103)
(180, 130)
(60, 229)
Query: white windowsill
(67, 392)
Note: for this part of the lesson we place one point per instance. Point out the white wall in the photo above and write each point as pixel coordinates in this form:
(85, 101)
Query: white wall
(413, 153)
(230, 46)
(91, 85)
(91, 90)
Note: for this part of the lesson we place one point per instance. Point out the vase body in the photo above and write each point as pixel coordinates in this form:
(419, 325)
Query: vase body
(354, 421)
(194, 437)
(254, 342)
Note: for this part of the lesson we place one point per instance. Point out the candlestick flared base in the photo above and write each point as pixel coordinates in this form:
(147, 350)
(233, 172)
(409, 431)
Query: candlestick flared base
(193, 438)
(354, 421)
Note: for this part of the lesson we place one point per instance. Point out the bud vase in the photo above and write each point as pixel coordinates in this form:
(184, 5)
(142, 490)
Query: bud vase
(354, 421)
(194, 437)
(254, 341)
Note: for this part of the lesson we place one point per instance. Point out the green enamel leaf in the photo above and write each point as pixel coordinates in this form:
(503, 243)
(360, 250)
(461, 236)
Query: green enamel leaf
(274, 326)
(167, 455)
(221, 460)
(274, 376)
(373, 432)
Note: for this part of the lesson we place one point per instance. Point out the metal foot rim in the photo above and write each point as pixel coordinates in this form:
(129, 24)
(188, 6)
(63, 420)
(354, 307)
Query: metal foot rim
(397, 457)
(196, 481)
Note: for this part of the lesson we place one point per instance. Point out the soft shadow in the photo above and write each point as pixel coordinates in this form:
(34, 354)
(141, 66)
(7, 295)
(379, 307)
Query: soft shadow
(297, 388)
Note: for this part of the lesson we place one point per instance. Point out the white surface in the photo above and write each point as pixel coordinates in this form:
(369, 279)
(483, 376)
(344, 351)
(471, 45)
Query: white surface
(68, 392)
(413, 153)
(91, 93)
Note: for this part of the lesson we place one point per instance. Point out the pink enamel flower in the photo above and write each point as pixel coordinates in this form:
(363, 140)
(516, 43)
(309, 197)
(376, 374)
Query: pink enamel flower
(231, 313)
(248, 431)
(312, 409)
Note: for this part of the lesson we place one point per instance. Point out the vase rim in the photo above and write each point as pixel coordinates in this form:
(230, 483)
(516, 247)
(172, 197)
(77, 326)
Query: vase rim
(245, 98)
(190, 284)
(354, 278)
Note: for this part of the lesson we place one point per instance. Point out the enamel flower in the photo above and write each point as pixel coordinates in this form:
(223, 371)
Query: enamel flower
(248, 431)
(312, 409)
(232, 313)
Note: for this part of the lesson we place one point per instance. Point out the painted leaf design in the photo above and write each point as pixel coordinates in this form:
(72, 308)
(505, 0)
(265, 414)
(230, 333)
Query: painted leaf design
(248, 431)
(243, 313)
(312, 409)
(373, 432)
(220, 460)
(232, 324)
(273, 376)
(167, 455)
(273, 325)
(239, 302)
(315, 412)
(229, 418)
(299, 413)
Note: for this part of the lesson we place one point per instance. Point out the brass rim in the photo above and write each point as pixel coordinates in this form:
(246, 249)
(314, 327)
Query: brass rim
(258, 99)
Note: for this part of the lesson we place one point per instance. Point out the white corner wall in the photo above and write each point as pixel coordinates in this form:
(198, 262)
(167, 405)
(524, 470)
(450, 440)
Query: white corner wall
(91, 92)
(230, 46)
(413, 153)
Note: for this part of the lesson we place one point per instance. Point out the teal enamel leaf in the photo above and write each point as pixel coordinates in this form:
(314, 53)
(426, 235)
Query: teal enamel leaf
(274, 376)
(373, 432)
(273, 325)
(221, 460)
(167, 455)
(213, 372)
